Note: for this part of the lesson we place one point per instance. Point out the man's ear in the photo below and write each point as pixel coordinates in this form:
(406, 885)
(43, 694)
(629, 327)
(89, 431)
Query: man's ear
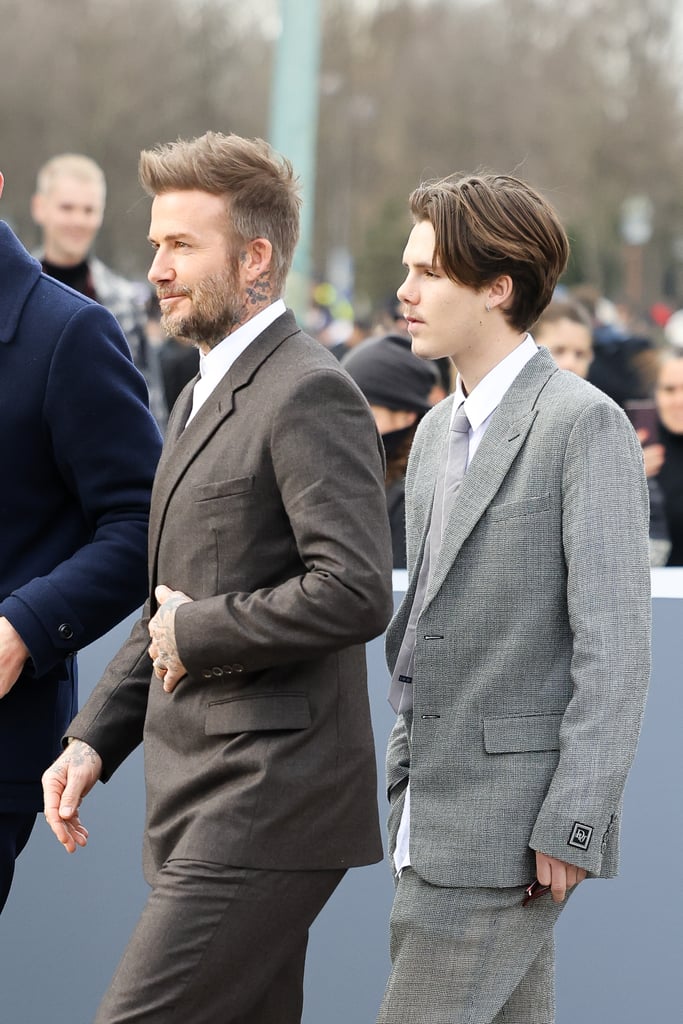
(2, 182)
(499, 292)
(259, 253)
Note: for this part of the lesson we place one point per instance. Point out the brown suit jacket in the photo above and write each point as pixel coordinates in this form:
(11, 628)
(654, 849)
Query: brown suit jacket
(269, 512)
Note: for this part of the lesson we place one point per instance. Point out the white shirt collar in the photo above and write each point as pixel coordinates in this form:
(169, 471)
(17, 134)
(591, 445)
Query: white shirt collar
(214, 365)
(487, 395)
(218, 360)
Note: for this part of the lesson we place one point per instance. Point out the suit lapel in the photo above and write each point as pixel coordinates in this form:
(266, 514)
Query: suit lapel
(431, 459)
(181, 410)
(504, 437)
(183, 444)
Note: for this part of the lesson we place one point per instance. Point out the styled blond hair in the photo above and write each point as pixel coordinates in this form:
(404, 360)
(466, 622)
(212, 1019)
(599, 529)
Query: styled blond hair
(261, 191)
(70, 165)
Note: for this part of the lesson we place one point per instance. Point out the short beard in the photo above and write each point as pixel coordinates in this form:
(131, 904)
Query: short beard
(218, 309)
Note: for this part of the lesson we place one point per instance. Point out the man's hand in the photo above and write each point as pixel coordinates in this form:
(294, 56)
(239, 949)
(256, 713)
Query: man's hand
(13, 656)
(558, 874)
(163, 649)
(65, 783)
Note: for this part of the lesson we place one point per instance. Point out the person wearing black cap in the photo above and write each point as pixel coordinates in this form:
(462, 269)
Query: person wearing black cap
(399, 388)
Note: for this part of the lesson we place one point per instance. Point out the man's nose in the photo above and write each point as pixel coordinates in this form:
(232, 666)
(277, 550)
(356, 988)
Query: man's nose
(161, 269)
(406, 292)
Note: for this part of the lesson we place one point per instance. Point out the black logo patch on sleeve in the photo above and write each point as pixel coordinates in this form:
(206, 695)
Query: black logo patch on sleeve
(581, 836)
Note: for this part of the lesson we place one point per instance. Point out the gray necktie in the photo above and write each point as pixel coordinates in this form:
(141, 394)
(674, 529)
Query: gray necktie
(456, 463)
(448, 481)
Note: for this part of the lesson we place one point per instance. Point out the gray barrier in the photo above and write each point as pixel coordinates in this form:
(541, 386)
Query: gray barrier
(619, 942)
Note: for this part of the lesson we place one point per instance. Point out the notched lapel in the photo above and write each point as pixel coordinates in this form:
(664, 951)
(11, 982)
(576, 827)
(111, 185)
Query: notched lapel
(181, 410)
(184, 444)
(433, 451)
(504, 437)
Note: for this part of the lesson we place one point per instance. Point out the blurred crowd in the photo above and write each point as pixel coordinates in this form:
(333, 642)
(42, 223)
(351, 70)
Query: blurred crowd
(636, 359)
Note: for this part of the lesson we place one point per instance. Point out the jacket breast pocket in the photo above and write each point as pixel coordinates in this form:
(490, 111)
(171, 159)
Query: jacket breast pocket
(530, 506)
(223, 488)
(258, 712)
(522, 733)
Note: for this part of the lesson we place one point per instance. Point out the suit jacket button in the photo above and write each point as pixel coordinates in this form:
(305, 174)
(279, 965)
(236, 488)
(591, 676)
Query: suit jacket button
(207, 673)
(217, 670)
(66, 631)
(238, 668)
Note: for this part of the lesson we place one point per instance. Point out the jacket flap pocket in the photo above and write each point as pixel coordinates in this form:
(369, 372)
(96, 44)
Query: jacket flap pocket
(258, 712)
(222, 488)
(522, 732)
(518, 509)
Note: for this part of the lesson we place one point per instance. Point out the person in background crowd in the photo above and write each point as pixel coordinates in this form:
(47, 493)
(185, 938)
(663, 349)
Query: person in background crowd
(564, 327)
(68, 207)
(624, 355)
(626, 367)
(270, 567)
(663, 448)
(355, 335)
(518, 668)
(77, 463)
(399, 388)
(396, 325)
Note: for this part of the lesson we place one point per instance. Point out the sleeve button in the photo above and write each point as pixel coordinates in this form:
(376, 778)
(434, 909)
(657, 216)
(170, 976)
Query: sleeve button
(66, 631)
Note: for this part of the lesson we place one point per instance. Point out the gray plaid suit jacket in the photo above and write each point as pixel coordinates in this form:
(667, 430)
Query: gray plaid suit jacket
(532, 651)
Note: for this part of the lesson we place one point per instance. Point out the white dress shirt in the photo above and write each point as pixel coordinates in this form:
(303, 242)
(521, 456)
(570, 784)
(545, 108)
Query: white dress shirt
(214, 365)
(480, 406)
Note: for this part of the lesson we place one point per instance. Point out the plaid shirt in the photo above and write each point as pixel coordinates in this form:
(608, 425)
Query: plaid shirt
(126, 300)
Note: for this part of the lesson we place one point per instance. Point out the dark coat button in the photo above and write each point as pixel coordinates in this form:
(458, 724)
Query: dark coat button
(66, 631)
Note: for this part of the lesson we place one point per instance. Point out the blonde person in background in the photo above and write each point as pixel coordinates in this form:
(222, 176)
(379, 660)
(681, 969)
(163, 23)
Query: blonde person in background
(68, 207)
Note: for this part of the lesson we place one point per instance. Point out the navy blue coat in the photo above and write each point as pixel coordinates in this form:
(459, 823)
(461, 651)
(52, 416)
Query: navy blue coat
(78, 452)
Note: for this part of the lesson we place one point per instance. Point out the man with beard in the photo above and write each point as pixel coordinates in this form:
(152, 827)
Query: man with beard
(270, 566)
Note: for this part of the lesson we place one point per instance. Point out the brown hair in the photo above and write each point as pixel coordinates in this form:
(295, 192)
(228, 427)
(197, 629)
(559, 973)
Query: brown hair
(487, 225)
(260, 188)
